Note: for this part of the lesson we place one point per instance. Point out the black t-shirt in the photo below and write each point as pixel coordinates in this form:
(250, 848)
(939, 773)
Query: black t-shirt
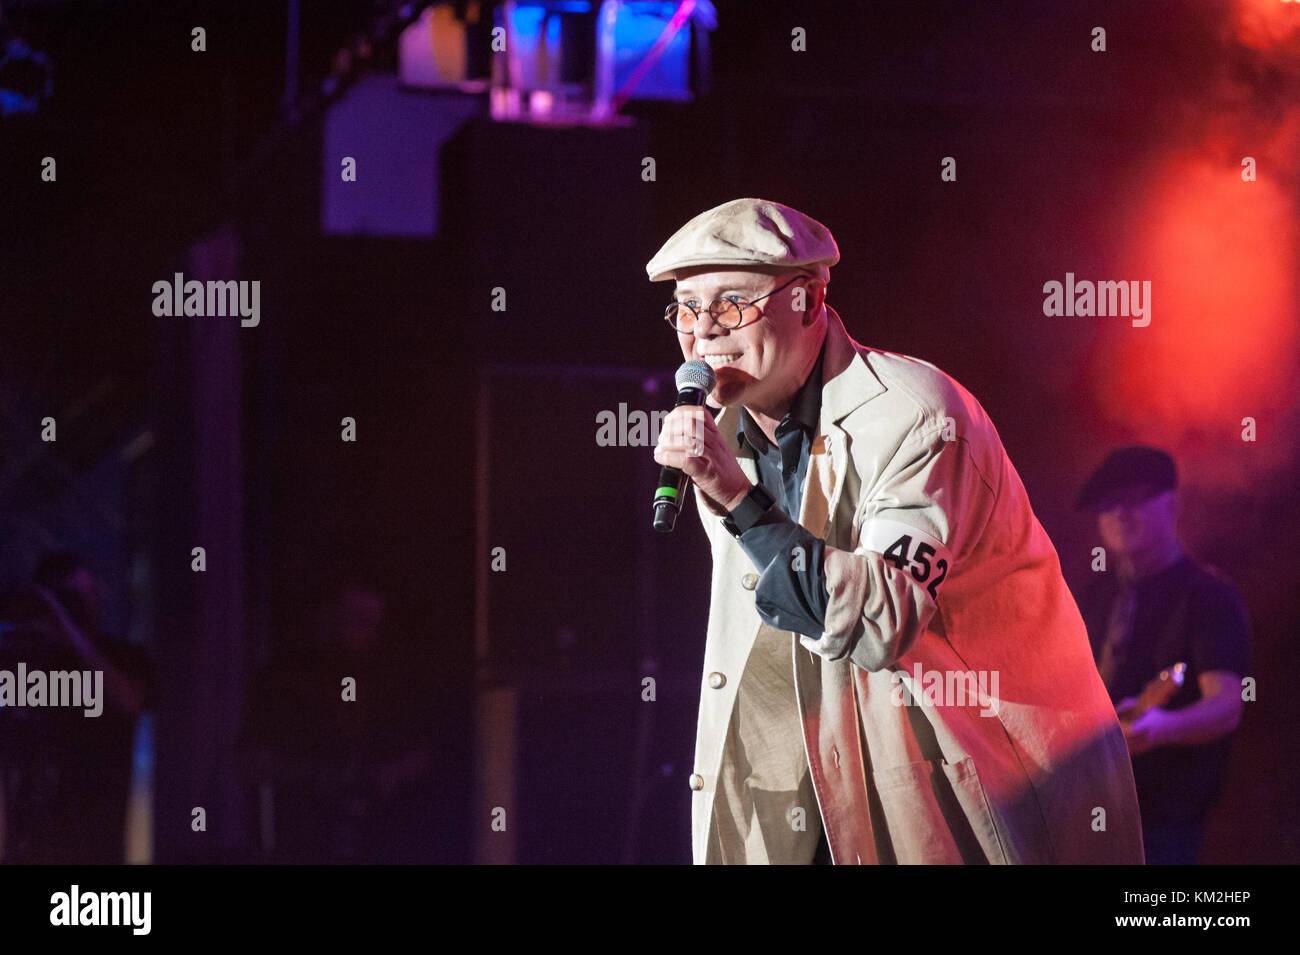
(1186, 613)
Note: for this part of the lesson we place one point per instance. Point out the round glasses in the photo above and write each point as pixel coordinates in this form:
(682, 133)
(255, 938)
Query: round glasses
(727, 312)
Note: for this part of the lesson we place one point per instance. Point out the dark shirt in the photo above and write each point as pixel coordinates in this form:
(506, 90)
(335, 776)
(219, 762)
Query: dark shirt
(791, 593)
(1189, 614)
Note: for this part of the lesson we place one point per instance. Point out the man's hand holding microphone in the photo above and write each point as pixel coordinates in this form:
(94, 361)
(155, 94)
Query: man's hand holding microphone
(690, 443)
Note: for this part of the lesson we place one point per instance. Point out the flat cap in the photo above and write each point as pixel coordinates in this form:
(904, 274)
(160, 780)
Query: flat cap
(746, 232)
(1137, 466)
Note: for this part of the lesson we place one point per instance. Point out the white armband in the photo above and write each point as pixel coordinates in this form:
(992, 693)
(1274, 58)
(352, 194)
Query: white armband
(909, 549)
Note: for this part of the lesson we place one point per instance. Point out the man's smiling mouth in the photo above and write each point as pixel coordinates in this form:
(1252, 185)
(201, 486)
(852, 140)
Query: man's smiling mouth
(717, 361)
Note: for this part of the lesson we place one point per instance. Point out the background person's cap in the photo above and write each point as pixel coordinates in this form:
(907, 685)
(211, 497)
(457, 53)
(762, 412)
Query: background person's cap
(746, 232)
(1138, 466)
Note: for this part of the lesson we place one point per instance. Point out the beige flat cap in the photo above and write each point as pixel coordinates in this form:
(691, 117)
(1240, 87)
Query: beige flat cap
(748, 232)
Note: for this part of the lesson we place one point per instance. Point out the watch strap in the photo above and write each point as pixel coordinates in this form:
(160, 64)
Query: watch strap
(747, 513)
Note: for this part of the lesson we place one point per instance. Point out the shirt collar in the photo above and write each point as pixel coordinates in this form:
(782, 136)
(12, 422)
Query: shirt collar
(805, 410)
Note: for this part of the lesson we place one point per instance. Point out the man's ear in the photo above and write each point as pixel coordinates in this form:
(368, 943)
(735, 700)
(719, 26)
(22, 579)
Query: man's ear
(816, 298)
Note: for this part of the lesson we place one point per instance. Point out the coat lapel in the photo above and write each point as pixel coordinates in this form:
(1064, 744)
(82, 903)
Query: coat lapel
(848, 385)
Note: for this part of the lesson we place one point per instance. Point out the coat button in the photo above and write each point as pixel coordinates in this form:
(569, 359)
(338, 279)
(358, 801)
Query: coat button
(717, 680)
(749, 581)
(697, 781)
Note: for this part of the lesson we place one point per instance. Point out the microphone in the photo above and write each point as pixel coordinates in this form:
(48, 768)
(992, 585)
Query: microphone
(695, 379)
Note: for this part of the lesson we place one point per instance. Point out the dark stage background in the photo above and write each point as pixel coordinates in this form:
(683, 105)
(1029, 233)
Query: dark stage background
(476, 428)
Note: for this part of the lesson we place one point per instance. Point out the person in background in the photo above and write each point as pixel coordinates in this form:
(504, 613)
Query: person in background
(67, 775)
(1154, 608)
(339, 726)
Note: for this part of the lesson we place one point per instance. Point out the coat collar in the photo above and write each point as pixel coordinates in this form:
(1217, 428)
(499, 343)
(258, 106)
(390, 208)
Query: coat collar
(850, 382)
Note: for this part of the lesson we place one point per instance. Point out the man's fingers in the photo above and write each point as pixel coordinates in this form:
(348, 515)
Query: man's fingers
(687, 445)
(680, 458)
(683, 439)
(685, 430)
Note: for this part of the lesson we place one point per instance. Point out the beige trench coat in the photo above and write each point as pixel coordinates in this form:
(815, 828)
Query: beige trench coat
(1029, 767)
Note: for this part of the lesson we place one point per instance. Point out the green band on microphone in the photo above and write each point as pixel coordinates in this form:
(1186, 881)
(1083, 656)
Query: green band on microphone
(666, 492)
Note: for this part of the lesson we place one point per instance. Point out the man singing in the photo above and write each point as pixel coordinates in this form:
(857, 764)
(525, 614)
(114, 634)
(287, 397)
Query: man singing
(895, 671)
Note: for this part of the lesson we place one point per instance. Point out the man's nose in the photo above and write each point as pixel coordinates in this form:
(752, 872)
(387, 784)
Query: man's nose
(706, 326)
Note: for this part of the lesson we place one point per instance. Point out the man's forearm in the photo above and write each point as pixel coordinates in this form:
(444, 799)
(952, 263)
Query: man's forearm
(791, 592)
(1204, 721)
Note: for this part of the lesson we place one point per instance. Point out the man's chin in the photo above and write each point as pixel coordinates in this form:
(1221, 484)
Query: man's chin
(731, 391)
(725, 398)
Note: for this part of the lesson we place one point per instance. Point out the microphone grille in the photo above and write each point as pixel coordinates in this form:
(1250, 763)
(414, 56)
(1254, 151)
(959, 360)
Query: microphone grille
(696, 373)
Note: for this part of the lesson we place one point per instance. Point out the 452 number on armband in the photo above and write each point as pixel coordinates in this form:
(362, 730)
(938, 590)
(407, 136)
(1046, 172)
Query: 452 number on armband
(901, 555)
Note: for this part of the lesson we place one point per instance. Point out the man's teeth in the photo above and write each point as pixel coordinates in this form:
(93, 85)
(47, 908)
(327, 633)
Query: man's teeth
(716, 361)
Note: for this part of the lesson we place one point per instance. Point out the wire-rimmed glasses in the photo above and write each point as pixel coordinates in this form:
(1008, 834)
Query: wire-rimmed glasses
(727, 311)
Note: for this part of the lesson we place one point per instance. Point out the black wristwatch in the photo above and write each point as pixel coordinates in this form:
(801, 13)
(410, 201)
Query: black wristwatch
(746, 514)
